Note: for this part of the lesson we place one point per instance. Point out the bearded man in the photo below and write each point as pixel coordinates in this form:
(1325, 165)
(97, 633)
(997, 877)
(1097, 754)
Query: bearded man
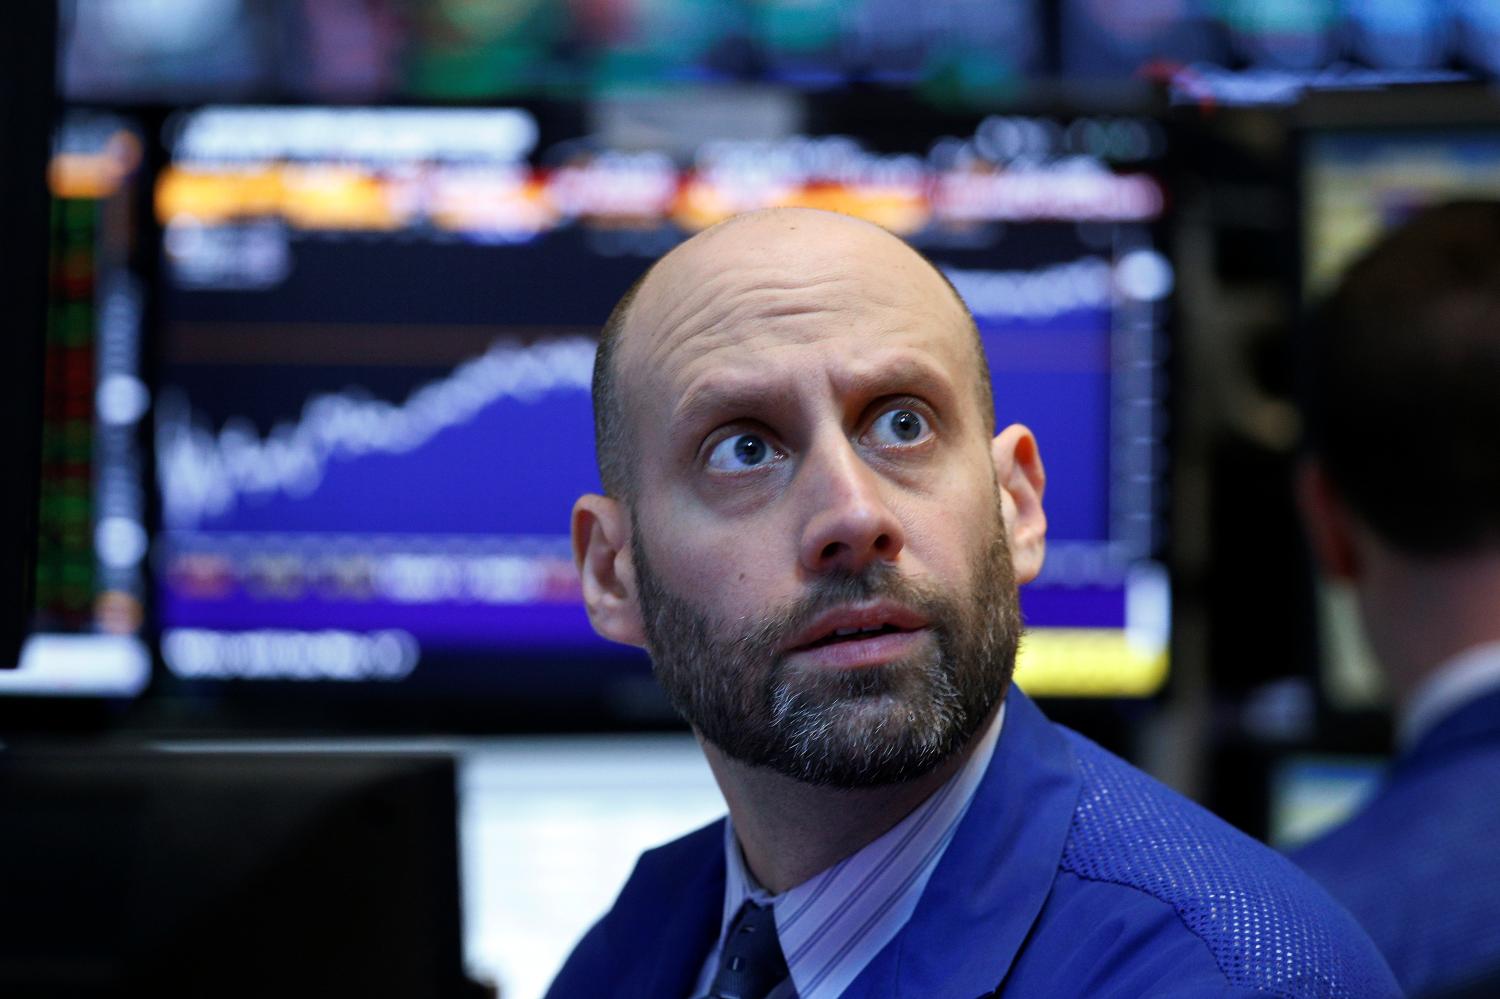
(813, 528)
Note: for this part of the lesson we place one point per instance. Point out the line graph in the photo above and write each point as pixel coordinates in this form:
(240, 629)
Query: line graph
(1040, 293)
(317, 482)
(207, 476)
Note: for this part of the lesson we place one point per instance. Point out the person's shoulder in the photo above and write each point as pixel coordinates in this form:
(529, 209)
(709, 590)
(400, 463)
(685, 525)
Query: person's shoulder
(1268, 927)
(1416, 865)
(1423, 823)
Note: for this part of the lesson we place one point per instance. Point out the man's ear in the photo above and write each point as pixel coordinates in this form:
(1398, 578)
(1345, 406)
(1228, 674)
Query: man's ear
(1022, 480)
(601, 551)
(1330, 524)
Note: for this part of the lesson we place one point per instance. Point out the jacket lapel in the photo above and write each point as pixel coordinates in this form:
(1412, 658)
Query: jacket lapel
(996, 873)
(669, 916)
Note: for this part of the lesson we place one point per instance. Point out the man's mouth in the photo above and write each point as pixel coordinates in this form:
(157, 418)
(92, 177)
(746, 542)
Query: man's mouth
(851, 634)
(862, 634)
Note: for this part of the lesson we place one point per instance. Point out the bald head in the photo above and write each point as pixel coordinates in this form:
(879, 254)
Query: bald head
(785, 266)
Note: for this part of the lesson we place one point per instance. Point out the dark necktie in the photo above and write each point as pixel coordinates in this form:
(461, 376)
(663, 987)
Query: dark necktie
(751, 964)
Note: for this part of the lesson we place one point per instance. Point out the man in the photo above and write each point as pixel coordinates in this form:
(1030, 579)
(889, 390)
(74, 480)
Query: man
(813, 529)
(1401, 494)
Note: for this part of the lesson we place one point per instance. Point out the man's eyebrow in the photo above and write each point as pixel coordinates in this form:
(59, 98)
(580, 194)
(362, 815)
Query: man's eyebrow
(728, 395)
(909, 372)
(717, 398)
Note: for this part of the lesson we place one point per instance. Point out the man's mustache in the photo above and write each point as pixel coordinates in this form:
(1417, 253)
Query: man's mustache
(880, 580)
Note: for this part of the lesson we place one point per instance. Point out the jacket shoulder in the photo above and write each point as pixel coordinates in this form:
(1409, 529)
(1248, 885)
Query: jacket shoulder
(666, 861)
(659, 926)
(660, 875)
(1268, 927)
(1418, 868)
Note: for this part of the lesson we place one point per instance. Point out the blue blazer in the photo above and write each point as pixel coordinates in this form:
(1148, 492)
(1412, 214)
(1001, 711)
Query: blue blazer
(1420, 866)
(1071, 875)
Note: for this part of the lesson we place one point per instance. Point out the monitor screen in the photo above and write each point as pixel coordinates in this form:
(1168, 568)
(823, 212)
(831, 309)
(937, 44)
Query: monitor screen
(1311, 794)
(376, 332)
(203, 50)
(90, 591)
(1100, 38)
(128, 50)
(1358, 182)
(551, 826)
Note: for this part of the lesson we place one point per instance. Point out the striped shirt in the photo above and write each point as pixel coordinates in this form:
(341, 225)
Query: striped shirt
(834, 923)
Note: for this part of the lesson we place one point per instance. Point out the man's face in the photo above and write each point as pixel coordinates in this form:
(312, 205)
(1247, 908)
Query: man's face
(817, 537)
(855, 727)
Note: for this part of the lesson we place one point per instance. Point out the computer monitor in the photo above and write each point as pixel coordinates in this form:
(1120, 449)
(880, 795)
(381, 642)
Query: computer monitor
(231, 874)
(1218, 53)
(376, 332)
(364, 50)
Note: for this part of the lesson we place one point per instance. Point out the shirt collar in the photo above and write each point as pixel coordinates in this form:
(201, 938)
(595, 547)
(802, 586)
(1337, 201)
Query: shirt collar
(1462, 679)
(834, 923)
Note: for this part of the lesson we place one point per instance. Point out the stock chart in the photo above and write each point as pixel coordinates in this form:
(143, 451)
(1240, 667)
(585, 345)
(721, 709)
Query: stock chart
(377, 342)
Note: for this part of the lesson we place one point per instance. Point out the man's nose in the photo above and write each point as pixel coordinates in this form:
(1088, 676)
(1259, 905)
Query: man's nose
(850, 524)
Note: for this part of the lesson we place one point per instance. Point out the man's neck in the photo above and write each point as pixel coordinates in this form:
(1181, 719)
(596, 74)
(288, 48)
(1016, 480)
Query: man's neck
(1421, 612)
(790, 830)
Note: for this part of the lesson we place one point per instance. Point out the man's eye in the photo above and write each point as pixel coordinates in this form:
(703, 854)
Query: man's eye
(899, 426)
(742, 451)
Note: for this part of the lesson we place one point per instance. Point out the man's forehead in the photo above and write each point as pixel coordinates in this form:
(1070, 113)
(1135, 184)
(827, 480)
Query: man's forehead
(783, 269)
(781, 241)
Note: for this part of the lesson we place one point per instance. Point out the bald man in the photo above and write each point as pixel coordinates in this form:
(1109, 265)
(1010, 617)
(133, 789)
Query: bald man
(812, 526)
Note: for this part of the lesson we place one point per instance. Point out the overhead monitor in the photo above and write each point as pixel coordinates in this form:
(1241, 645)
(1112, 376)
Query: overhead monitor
(371, 50)
(376, 334)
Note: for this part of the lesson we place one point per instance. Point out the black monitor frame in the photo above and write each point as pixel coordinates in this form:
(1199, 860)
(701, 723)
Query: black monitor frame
(26, 110)
(169, 872)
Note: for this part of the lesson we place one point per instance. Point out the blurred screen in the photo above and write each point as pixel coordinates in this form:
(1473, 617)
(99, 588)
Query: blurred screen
(551, 828)
(1357, 183)
(959, 53)
(377, 332)
(177, 50)
(1311, 794)
(1272, 52)
(92, 544)
(1104, 39)
(451, 50)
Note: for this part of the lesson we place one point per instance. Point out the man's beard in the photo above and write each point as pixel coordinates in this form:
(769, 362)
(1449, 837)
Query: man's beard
(846, 728)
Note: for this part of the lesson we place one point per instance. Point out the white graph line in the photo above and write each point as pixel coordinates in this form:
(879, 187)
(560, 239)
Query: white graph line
(204, 474)
(1086, 283)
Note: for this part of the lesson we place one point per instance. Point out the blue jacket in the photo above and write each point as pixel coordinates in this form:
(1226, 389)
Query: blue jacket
(1420, 865)
(1071, 875)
